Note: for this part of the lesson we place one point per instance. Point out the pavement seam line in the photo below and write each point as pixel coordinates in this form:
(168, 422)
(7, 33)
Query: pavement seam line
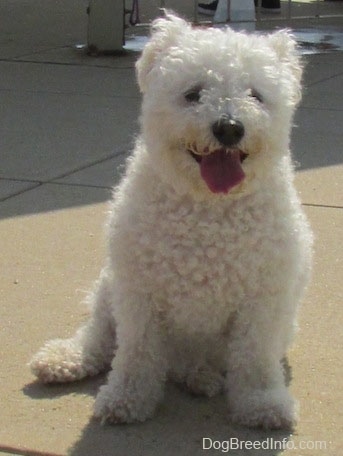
(53, 181)
(97, 162)
(320, 109)
(83, 94)
(325, 79)
(71, 184)
(25, 451)
(20, 192)
(327, 206)
(21, 59)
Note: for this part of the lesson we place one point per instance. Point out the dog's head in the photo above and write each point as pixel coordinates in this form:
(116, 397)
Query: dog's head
(217, 105)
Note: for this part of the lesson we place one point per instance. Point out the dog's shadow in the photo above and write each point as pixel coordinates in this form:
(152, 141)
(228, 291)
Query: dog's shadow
(183, 425)
(88, 386)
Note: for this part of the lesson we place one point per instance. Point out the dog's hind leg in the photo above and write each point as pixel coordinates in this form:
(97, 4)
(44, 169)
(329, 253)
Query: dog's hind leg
(89, 351)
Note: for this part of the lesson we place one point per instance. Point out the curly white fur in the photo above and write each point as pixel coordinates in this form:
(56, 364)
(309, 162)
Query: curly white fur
(200, 287)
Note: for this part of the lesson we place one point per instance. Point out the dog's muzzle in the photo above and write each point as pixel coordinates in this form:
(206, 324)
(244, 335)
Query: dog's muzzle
(221, 167)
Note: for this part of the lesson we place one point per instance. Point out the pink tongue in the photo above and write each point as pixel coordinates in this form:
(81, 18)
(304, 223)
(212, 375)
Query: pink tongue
(222, 170)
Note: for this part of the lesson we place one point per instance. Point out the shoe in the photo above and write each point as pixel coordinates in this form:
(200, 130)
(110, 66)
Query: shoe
(208, 8)
(270, 6)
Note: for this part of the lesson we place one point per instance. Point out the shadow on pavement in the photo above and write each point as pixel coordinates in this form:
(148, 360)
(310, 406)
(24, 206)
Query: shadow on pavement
(183, 424)
(88, 386)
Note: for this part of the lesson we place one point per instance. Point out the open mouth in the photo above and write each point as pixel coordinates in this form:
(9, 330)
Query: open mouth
(221, 169)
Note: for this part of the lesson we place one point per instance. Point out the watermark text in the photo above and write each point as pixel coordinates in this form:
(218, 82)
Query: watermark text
(225, 446)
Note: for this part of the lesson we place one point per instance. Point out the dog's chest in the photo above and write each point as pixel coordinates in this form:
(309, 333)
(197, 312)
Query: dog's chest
(201, 255)
(205, 261)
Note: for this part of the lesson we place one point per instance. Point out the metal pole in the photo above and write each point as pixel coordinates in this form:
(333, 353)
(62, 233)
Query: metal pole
(289, 14)
(195, 11)
(105, 26)
(258, 10)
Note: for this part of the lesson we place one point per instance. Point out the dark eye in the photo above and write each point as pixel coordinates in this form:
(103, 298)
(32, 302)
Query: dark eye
(193, 95)
(256, 95)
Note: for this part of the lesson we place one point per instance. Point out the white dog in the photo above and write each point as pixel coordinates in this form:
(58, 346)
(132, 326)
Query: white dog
(209, 250)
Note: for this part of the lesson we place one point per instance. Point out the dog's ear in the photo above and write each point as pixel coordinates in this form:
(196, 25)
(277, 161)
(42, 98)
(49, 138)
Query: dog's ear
(286, 48)
(164, 34)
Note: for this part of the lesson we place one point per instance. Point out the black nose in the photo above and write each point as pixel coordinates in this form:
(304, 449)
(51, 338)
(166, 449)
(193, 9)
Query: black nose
(228, 131)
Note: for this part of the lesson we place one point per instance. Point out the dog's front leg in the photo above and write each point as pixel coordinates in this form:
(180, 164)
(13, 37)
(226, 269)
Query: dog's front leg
(136, 381)
(257, 394)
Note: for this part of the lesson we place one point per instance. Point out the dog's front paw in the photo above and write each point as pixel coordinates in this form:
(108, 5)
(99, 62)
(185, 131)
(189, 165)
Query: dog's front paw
(269, 409)
(116, 403)
(109, 407)
(60, 360)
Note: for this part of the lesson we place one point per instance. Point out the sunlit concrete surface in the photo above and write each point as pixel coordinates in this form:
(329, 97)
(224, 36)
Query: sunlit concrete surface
(67, 124)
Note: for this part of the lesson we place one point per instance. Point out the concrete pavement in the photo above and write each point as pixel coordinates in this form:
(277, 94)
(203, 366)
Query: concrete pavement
(67, 122)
